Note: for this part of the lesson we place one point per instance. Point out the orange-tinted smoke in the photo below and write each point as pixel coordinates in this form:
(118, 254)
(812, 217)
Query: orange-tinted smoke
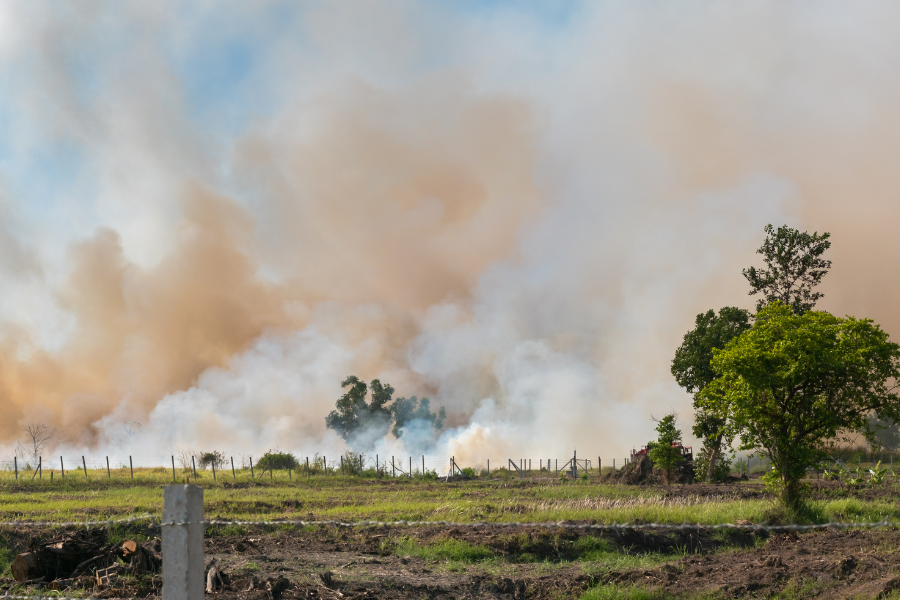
(400, 205)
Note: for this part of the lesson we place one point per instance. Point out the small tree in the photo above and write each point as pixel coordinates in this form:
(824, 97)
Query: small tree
(795, 384)
(693, 371)
(37, 436)
(663, 453)
(216, 459)
(795, 267)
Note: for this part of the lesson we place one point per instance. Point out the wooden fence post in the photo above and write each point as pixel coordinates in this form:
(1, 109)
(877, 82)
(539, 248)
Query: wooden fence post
(173, 468)
(194, 467)
(108, 473)
(131, 467)
(62, 469)
(84, 464)
(214, 469)
(182, 543)
(423, 464)
(251, 467)
(16, 466)
(307, 467)
(233, 474)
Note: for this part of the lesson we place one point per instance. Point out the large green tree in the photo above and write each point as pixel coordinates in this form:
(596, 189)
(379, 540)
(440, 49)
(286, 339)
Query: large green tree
(795, 383)
(357, 420)
(693, 371)
(794, 267)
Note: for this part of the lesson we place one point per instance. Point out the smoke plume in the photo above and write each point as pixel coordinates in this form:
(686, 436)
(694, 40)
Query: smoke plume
(214, 214)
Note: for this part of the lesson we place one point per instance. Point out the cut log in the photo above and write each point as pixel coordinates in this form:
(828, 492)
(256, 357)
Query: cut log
(26, 566)
(129, 547)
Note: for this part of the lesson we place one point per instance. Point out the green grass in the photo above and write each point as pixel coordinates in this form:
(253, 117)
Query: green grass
(6, 558)
(449, 549)
(352, 499)
(612, 591)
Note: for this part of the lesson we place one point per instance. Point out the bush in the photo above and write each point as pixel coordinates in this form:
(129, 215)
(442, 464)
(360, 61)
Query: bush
(469, 472)
(272, 460)
(211, 459)
(721, 471)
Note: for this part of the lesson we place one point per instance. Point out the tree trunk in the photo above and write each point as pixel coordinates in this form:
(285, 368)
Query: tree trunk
(25, 567)
(713, 455)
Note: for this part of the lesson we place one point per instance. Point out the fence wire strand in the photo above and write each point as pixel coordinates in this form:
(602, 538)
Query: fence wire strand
(156, 522)
(556, 524)
(5, 596)
(109, 522)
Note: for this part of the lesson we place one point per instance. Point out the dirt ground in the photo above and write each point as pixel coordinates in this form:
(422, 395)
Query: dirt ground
(356, 564)
(830, 564)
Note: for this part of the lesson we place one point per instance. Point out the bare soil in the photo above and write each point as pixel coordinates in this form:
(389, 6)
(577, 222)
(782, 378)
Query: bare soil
(832, 564)
(357, 564)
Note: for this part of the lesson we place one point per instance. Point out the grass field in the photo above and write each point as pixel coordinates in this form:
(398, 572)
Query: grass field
(596, 564)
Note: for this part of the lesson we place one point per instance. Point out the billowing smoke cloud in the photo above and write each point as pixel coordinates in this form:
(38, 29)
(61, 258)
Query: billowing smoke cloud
(213, 215)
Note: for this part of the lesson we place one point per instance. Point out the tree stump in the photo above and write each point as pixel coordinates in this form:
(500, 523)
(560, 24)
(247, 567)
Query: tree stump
(26, 567)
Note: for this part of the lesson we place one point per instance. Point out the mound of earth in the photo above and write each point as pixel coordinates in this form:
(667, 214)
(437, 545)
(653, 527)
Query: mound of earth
(640, 471)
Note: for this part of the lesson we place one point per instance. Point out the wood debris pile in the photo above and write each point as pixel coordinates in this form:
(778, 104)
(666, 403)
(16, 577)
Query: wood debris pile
(84, 559)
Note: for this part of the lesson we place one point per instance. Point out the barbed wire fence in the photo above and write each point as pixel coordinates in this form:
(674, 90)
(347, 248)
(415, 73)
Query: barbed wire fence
(182, 525)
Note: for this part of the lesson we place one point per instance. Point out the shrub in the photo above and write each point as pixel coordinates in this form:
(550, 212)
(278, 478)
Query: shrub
(272, 460)
(211, 459)
(721, 471)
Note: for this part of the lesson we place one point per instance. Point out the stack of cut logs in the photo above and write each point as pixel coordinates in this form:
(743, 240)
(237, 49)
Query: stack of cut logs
(83, 555)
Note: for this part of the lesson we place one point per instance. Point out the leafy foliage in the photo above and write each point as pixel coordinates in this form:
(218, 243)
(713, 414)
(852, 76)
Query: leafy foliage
(663, 453)
(721, 470)
(352, 413)
(361, 423)
(693, 371)
(215, 458)
(406, 410)
(794, 383)
(795, 267)
(271, 461)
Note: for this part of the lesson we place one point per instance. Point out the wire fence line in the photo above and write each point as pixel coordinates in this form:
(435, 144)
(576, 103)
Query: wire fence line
(9, 597)
(156, 522)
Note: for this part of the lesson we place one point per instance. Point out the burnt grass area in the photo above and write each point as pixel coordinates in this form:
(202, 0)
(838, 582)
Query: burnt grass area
(273, 563)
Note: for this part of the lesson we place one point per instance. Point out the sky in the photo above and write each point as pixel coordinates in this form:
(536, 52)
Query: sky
(212, 213)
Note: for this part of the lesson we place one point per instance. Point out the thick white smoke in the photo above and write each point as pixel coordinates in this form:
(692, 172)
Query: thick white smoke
(515, 214)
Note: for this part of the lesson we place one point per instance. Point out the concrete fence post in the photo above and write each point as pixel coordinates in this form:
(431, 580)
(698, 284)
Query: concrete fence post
(182, 543)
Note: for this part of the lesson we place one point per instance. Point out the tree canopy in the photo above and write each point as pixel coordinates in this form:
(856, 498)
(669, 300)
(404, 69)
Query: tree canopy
(693, 371)
(663, 453)
(795, 383)
(407, 410)
(362, 423)
(353, 415)
(795, 267)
